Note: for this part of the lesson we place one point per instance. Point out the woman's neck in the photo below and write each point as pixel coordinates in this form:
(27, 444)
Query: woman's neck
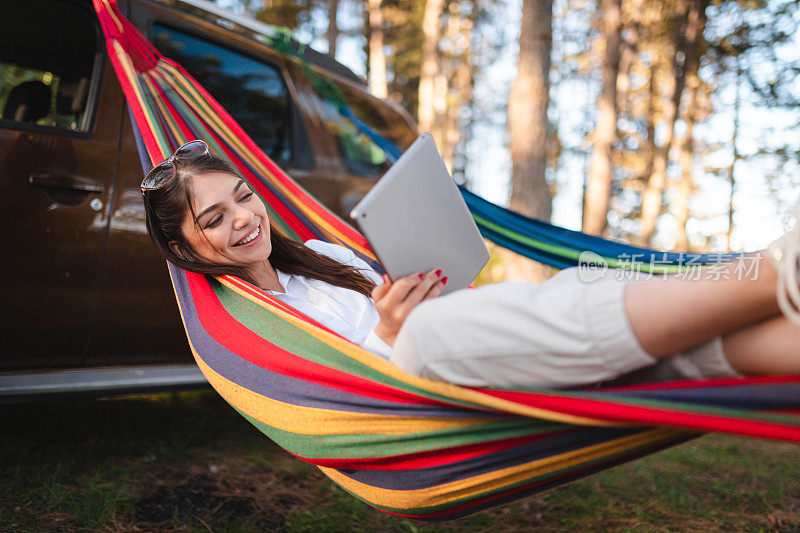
(266, 277)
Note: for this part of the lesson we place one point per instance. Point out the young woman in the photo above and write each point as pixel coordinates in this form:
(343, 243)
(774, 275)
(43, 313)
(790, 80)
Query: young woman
(203, 217)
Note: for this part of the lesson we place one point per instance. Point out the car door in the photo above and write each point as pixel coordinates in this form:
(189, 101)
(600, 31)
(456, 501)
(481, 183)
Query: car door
(59, 133)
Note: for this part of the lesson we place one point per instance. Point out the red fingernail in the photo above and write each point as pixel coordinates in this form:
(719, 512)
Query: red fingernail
(421, 276)
(444, 280)
(438, 272)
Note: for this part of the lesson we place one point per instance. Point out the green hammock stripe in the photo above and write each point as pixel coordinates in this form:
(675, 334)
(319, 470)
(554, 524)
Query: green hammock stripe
(364, 446)
(572, 253)
(162, 111)
(151, 112)
(289, 337)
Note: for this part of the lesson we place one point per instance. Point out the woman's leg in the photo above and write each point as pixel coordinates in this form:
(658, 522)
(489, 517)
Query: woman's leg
(567, 332)
(771, 347)
(668, 315)
(562, 333)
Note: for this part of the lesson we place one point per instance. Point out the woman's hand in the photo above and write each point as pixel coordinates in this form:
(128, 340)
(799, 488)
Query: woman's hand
(395, 300)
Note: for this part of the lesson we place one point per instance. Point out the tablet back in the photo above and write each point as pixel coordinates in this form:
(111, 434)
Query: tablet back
(416, 220)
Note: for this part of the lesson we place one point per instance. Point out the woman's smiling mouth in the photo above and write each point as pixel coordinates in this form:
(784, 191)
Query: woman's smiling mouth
(249, 238)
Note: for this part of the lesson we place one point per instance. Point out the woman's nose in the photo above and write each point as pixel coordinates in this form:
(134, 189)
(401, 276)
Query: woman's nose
(243, 217)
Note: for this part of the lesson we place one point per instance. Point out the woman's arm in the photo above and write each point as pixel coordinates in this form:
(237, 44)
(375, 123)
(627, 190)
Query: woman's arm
(393, 300)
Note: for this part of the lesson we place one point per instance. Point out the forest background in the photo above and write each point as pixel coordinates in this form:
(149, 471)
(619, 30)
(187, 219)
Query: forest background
(667, 123)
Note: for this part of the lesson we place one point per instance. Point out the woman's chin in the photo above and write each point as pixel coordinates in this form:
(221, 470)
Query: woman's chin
(256, 255)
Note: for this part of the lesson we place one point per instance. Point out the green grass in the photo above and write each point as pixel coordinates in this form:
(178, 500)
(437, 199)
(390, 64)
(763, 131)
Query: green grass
(188, 462)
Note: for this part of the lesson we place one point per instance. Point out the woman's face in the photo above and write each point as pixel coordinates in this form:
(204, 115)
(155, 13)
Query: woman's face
(232, 226)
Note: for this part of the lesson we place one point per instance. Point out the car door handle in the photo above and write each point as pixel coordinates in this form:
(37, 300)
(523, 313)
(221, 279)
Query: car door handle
(73, 183)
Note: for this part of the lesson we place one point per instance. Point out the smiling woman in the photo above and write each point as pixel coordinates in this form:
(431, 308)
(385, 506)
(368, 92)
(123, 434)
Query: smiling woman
(204, 218)
(200, 210)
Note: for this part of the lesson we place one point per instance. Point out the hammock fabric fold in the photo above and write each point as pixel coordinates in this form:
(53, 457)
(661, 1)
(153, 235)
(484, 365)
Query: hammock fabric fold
(403, 444)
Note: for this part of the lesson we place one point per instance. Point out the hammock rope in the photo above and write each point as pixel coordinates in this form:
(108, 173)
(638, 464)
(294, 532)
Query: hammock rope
(403, 444)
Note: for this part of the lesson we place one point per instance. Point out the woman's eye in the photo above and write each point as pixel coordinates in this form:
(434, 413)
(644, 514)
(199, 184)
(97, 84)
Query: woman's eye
(246, 197)
(215, 222)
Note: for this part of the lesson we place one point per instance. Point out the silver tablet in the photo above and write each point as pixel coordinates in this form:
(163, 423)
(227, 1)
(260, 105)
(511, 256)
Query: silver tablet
(416, 220)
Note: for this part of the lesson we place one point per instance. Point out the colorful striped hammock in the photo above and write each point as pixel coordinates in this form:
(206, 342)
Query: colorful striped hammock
(403, 444)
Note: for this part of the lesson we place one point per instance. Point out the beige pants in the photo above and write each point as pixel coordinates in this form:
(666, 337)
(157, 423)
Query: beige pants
(562, 333)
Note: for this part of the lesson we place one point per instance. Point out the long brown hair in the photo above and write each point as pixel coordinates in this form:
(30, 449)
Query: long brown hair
(167, 206)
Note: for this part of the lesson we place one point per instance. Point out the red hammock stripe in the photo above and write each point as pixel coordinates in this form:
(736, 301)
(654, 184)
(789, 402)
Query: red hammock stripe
(614, 411)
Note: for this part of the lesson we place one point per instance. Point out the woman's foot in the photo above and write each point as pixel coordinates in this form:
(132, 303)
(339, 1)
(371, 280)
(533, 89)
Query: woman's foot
(784, 256)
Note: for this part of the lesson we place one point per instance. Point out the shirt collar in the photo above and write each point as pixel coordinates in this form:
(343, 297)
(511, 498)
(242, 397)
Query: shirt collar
(283, 279)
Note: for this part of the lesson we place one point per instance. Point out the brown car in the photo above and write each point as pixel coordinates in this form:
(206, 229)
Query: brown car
(87, 303)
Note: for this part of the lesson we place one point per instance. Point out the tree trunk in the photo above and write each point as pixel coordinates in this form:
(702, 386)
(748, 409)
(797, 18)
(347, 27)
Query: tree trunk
(462, 92)
(653, 97)
(629, 52)
(377, 59)
(735, 147)
(686, 184)
(429, 69)
(456, 75)
(689, 26)
(332, 35)
(527, 118)
(598, 186)
(441, 89)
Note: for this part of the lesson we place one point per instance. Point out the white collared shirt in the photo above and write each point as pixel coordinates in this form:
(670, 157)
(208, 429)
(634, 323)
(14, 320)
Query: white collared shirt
(347, 312)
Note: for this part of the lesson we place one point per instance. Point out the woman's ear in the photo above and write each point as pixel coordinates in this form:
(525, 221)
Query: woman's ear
(176, 249)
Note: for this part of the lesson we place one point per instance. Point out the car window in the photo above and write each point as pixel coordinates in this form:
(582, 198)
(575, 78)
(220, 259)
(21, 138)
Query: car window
(252, 91)
(360, 153)
(369, 111)
(44, 81)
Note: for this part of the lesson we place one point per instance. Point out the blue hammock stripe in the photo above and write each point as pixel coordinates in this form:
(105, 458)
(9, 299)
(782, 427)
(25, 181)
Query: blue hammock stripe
(561, 247)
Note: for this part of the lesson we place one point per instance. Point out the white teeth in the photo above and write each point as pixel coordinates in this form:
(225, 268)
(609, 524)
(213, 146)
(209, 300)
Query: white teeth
(249, 237)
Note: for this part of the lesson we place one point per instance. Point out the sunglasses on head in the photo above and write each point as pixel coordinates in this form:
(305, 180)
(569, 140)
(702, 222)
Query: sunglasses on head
(166, 170)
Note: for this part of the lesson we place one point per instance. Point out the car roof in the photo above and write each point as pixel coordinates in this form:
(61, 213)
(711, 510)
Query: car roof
(246, 25)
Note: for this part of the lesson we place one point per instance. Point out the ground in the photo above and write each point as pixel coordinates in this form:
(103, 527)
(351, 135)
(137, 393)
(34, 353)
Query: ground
(188, 462)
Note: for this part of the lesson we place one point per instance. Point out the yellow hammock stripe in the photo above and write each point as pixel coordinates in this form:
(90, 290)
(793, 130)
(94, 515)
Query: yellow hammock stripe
(172, 124)
(499, 479)
(131, 74)
(318, 421)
